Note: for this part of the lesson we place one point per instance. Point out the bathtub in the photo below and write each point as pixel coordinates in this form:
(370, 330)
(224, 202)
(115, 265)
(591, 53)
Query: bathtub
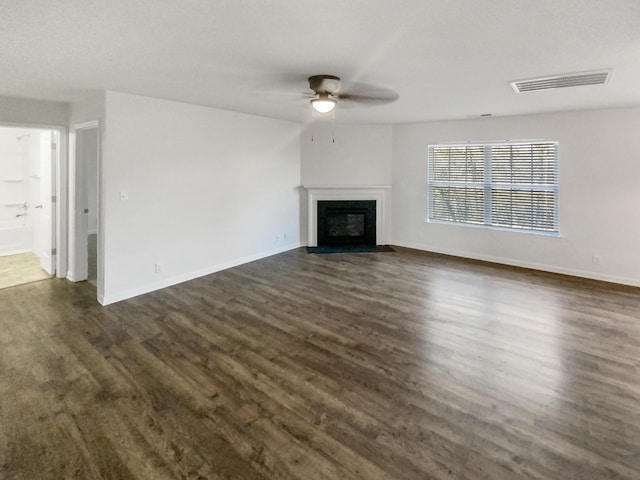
(16, 236)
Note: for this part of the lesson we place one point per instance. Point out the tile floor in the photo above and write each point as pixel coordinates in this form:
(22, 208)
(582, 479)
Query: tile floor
(20, 269)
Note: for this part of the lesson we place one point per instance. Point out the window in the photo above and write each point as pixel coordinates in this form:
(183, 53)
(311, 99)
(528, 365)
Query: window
(511, 185)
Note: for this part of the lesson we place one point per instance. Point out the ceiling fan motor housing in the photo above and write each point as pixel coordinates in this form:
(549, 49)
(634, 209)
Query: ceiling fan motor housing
(324, 83)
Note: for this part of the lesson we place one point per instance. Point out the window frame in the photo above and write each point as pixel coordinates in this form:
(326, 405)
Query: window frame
(487, 185)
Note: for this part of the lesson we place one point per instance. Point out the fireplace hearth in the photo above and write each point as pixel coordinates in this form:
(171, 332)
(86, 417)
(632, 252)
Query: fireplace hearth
(346, 222)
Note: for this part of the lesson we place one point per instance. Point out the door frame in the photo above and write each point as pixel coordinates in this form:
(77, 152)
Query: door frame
(59, 212)
(78, 231)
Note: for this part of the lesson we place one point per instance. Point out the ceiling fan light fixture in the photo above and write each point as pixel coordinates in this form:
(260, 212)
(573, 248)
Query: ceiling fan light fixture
(323, 103)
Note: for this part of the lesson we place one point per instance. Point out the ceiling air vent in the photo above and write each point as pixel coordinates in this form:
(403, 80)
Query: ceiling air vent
(562, 81)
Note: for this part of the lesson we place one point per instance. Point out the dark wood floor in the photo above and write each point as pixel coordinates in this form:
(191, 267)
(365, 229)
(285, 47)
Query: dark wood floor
(361, 366)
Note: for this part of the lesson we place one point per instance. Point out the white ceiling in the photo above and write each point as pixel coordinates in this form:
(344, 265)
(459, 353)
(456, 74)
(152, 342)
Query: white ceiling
(446, 59)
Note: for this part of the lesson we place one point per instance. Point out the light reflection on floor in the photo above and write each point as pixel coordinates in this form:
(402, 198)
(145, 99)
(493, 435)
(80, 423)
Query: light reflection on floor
(509, 333)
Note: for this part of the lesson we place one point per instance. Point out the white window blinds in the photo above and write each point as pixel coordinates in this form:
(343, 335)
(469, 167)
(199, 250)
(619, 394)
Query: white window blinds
(508, 185)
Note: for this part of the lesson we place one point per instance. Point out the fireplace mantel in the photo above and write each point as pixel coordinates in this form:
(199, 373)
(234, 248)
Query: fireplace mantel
(379, 193)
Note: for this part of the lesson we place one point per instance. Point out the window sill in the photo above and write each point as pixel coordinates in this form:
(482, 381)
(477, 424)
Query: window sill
(500, 229)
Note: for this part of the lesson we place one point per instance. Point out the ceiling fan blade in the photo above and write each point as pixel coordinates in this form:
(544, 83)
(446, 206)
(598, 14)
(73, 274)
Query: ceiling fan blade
(370, 99)
(368, 94)
(281, 96)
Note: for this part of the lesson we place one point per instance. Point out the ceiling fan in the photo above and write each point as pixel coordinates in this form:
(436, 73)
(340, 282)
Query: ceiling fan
(327, 93)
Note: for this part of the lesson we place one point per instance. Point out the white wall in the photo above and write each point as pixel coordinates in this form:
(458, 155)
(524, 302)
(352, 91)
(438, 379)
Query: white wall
(21, 111)
(344, 155)
(599, 193)
(206, 189)
(360, 154)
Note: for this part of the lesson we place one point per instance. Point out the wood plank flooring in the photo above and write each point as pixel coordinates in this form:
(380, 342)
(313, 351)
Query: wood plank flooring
(399, 365)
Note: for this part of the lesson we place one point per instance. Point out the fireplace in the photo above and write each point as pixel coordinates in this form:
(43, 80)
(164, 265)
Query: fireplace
(379, 194)
(346, 222)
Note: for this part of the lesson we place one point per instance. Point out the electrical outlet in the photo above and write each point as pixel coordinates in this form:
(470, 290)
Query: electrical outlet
(596, 259)
(158, 268)
(284, 236)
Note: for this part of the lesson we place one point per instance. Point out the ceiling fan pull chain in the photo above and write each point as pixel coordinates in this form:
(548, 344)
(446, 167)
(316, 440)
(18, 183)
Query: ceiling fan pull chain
(333, 126)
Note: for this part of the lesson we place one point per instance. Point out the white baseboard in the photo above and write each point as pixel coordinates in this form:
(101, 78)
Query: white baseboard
(108, 299)
(15, 252)
(534, 266)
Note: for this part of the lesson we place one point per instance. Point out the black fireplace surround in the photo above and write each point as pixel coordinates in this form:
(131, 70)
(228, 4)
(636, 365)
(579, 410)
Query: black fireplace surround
(346, 222)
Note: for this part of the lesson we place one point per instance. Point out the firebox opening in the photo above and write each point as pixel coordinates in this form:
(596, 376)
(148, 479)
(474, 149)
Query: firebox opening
(346, 222)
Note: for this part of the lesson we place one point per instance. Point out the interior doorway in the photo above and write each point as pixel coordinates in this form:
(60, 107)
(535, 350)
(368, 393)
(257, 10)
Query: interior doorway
(28, 160)
(85, 265)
